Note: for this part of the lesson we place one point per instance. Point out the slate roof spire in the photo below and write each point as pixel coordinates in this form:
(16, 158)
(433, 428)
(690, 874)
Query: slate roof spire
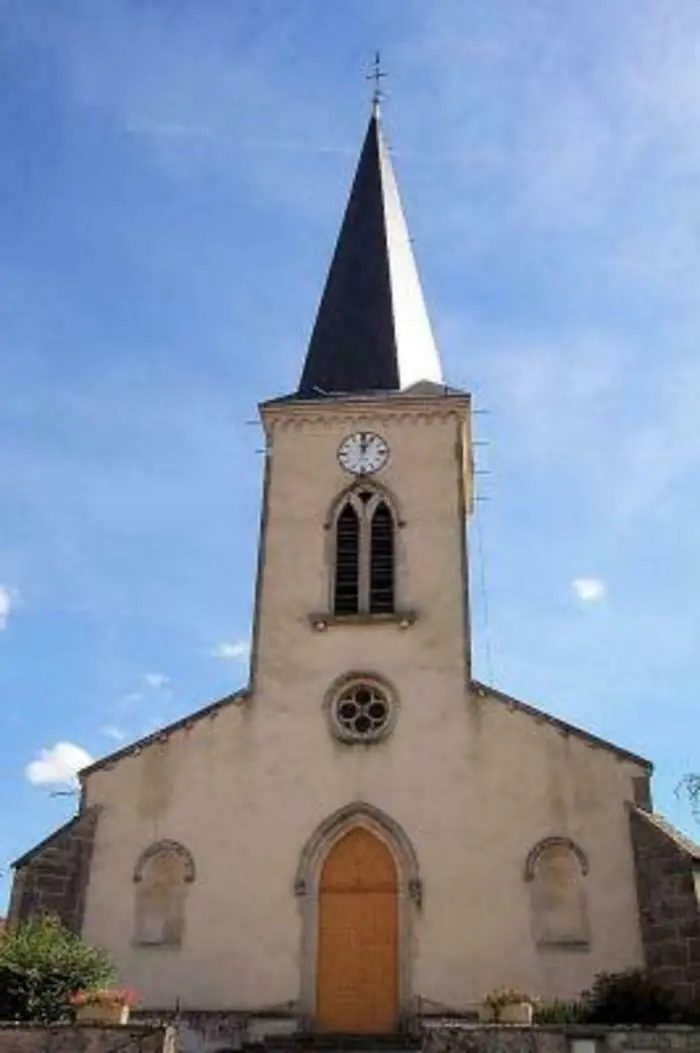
(372, 331)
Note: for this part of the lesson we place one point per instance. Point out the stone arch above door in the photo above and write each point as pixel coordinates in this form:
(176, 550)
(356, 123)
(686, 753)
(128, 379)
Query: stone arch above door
(327, 835)
(337, 824)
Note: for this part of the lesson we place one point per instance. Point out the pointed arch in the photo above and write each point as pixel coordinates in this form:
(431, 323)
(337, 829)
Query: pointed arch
(363, 523)
(336, 825)
(328, 834)
(381, 491)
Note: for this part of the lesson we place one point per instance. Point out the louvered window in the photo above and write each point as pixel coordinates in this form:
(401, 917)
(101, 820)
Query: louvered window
(347, 562)
(381, 561)
(364, 556)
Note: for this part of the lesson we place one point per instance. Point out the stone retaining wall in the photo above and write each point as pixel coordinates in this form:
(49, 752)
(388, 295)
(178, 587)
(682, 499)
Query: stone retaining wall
(478, 1038)
(81, 1038)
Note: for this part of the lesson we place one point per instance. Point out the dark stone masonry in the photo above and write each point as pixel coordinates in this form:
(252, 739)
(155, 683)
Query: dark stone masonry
(53, 876)
(668, 887)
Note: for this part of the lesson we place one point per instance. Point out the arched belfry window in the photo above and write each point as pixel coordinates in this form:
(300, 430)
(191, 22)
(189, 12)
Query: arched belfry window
(381, 561)
(364, 555)
(347, 561)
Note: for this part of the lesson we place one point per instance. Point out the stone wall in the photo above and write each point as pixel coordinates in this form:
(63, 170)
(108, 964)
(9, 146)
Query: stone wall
(578, 1039)
(52, 878)
(67, 1038)
(666, 863)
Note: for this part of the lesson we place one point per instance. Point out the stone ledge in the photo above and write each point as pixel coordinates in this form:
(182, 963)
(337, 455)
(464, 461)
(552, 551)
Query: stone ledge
(323, 620)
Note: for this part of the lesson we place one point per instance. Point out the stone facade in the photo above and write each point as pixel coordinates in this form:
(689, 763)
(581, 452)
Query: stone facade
(66, 1038)
(466, 785)
(668, 884)
(53, 876)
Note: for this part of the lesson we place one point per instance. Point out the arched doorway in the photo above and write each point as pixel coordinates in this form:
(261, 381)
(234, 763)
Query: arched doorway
(357, 974)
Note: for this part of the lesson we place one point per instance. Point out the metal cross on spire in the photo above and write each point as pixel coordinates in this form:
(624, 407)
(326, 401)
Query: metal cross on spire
(376, 74)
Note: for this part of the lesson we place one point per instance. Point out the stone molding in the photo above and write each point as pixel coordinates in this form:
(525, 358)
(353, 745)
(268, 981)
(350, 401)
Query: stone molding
(343, 819)
(355, 486)
(552, 842)
(306, 889)
(353, 417)
(166, 845)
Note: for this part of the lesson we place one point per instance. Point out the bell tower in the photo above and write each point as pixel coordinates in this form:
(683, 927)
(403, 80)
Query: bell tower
(368, 479)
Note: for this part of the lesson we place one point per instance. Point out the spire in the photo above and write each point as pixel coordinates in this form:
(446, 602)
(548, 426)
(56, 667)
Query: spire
(372, 331)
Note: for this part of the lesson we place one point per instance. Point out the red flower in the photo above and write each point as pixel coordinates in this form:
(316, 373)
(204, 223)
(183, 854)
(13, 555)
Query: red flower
(105, 996)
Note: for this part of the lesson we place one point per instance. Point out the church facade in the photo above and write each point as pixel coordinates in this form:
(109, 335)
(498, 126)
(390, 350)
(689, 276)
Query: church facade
(366, 835)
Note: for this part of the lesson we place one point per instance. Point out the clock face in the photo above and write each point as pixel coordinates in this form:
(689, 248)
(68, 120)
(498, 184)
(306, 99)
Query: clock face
(363, 453)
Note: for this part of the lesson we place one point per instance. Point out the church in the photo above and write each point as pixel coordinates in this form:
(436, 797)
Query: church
(365, 836)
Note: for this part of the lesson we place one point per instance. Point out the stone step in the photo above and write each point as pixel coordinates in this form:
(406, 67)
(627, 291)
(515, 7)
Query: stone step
(343, 1043)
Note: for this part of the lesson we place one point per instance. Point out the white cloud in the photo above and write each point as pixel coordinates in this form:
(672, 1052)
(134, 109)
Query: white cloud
(58, 765)
(113, 732)
(237, 649)
(590, 590)
(156, 680)
(8, 597)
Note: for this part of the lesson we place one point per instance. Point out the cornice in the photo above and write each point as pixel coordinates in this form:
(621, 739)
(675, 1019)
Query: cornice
(296, 417)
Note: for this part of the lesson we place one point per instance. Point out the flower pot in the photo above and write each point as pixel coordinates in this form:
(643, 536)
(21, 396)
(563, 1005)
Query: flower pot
(515, 1013)
(107, 1013)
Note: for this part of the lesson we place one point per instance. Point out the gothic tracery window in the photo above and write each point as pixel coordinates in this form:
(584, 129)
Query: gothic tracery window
(364, 555)
(361, 709)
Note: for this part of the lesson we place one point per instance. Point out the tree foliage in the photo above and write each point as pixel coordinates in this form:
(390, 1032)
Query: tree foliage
(689, 787)
(629, 997)
(41, 964)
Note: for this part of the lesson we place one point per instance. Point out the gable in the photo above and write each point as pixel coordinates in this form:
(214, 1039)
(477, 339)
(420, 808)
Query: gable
(541, 717)
(162, 734)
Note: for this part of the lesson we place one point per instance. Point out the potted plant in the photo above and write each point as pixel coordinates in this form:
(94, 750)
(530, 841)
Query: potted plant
(506, 1005)
(104, 1005)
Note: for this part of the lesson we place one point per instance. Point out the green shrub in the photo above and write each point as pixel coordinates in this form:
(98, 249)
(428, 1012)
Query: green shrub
(629, 997)
(559, 1012)
(41, 964)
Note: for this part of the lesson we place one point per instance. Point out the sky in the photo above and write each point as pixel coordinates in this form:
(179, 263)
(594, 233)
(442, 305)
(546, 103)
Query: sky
(172, 179)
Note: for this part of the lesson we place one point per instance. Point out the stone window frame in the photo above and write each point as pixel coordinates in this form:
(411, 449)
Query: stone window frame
(365, 510)
(306, 888)
(373, 681)
(530, 873)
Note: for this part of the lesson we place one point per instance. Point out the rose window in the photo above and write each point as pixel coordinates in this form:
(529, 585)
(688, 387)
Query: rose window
(361, 712)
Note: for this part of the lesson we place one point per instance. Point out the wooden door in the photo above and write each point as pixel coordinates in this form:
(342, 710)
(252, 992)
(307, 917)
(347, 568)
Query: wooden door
(357, 963)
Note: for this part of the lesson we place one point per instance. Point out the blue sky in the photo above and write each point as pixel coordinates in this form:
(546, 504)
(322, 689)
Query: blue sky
(172, 178)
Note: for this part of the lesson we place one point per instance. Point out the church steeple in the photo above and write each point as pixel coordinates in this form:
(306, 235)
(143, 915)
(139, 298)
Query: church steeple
(372, 331)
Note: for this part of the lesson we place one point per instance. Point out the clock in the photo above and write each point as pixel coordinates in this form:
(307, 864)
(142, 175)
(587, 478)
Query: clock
(363, 453)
